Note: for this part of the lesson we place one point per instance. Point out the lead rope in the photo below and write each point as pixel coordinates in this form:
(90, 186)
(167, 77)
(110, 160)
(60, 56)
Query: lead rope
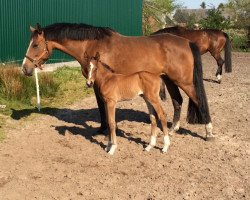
(37, 90)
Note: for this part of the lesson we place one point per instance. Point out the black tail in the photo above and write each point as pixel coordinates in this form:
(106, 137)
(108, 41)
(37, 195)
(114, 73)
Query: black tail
(198, 114)
(228, 56)
(163, 91)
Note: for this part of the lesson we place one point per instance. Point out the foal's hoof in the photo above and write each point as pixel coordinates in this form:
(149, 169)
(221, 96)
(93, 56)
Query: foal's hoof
(210, 138)
(148, 148)
(165, 149)
(112, 149)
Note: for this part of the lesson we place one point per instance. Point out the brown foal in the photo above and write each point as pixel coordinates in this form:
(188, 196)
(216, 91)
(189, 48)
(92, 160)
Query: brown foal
(117, 87)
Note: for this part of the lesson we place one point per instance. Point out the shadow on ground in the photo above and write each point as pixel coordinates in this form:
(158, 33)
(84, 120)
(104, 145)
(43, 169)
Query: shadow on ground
(82, 116)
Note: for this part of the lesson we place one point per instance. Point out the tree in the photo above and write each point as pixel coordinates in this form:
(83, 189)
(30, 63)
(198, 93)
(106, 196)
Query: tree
(203, 5)
(240, 12)
(215, 20)
(156, 10)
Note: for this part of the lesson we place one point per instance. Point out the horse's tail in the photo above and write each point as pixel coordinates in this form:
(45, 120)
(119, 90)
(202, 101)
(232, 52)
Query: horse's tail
(198, 114)
(163, 91)
(228, 56)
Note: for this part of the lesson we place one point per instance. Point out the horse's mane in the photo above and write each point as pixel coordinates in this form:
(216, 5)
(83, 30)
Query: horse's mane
(169, 29)
(61, 31)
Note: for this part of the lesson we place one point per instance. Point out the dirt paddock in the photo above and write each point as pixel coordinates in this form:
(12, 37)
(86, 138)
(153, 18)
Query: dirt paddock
(52, 155)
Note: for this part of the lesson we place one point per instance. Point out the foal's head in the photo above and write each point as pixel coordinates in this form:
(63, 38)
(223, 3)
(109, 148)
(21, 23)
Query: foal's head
(92, 68)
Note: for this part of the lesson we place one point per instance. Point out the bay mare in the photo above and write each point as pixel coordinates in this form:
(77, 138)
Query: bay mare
(118, 87)
(175, 58)
(208, 40)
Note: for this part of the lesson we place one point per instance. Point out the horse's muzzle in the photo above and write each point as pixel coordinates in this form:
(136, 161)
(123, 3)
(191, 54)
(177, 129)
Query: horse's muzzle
(89, 84)
(27, 71)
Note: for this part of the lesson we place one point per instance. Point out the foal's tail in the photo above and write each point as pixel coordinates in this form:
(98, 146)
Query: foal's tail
(198, 114)
(228, 56)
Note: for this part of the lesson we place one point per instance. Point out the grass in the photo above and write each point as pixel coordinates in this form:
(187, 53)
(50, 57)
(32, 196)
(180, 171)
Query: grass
(57, 89)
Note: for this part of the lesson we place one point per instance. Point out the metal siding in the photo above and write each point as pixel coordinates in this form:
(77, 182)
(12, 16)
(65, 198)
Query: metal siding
(16, 16)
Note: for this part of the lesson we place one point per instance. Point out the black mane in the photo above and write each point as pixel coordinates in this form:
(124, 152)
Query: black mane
(61, 31)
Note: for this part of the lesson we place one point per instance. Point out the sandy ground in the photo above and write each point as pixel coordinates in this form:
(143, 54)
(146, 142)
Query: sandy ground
(52, 155)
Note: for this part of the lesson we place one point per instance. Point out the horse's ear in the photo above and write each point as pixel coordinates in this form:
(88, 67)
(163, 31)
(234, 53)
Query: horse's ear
(38, 28)
(97, 56)
(32, 29)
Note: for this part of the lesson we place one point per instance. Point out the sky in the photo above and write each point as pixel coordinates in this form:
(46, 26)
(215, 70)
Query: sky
(197, 3)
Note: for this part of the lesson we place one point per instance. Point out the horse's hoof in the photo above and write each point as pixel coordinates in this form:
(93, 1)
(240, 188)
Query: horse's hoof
(148, 148)
(171, 133)
(164, 150)
(112, 149)
(210, 139)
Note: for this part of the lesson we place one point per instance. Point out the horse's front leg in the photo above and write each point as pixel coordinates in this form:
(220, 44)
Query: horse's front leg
(110, 115)
(101, 108)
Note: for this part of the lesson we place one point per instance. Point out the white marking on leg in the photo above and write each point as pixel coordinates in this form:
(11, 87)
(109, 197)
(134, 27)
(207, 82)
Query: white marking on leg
(175, 127)
(112, 149)
(219, 77)
(153, 141)
(209, 130)
(108, 146)
(166, 143)
(151, 144)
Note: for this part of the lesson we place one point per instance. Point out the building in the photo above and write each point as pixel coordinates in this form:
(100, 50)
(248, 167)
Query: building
(124, 16)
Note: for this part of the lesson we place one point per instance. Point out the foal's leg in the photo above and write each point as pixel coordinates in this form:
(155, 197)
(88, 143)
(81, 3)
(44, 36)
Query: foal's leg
(110, 114)
(177, 103)
(152, 116)
(101, 107)
(154, 101)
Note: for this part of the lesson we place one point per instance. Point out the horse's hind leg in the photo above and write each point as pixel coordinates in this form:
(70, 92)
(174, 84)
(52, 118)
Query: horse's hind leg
(197, 111)
(218, 74)
(220, 63)
(152, 116)
(177, 103)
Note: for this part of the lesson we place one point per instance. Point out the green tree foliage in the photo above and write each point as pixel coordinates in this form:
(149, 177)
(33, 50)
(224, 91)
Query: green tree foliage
(157, 10)
(203, 5)
(215, 20)
(240, 12)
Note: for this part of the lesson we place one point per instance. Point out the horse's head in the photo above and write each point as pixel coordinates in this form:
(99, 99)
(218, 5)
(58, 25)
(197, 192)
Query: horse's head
(37, 52)
(92, 68)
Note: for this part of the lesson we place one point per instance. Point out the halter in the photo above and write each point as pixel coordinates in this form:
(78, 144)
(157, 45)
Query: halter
(36, 60)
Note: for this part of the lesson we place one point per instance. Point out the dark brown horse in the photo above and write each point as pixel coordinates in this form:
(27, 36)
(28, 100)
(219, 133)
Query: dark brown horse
(207, 40)
(118, 87)
(175, 58)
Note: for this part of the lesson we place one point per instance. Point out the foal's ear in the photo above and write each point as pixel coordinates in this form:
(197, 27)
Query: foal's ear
(97, 56)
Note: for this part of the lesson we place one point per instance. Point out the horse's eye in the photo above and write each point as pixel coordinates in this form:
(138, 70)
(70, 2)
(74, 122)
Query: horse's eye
(35, 46)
